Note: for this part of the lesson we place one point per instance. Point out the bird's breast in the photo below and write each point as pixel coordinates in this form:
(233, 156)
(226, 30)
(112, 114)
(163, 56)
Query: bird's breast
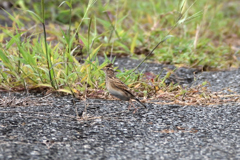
(119, 94)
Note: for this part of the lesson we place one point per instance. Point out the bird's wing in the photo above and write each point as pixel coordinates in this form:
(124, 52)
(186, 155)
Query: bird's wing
(119, 84)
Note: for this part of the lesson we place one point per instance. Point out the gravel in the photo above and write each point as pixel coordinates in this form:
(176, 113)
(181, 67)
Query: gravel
(106, 129)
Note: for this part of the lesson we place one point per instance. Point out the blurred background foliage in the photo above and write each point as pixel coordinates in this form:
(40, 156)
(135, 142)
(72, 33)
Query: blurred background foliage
(210, 40)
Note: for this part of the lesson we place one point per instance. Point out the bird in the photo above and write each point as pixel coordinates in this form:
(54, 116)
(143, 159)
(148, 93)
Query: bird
(117, 88)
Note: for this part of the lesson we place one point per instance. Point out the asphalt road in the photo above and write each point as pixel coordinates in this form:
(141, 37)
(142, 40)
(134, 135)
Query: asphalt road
(36, 127)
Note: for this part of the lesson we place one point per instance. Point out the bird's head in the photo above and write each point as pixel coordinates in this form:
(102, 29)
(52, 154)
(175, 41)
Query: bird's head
(108, 69)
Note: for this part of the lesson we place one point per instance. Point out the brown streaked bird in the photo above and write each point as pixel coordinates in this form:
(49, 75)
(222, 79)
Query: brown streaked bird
(117, 88)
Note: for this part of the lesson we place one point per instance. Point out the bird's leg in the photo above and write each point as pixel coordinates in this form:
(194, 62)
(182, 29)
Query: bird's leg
(135, 109)
(129, 104)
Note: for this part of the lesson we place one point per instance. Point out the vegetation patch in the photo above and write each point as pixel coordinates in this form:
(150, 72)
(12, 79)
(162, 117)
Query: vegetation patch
(53, 46)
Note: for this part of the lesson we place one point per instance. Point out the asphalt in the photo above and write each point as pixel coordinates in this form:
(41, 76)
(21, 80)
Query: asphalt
(54, 127)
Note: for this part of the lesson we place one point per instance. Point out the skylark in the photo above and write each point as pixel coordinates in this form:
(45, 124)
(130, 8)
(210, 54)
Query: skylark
(117, 88)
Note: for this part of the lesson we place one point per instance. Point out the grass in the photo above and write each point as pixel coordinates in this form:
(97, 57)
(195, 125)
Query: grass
(40, 49)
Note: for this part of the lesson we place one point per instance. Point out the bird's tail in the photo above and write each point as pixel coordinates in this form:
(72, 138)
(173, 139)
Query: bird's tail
(141, 103)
